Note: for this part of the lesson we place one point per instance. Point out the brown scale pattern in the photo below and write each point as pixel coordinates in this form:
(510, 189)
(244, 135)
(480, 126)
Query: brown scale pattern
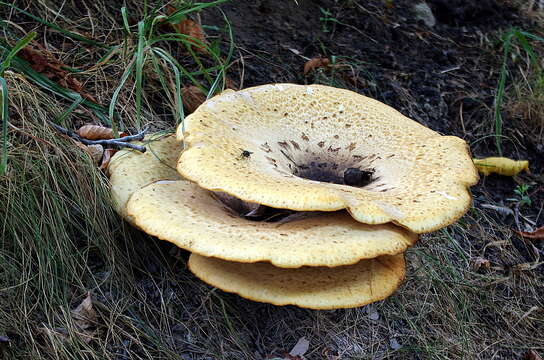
(153, 197)
(420, 181)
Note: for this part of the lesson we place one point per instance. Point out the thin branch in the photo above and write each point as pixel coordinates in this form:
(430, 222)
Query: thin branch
(120, 142)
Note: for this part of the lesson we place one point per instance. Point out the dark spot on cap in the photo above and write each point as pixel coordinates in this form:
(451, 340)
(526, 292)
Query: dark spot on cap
(357, 177)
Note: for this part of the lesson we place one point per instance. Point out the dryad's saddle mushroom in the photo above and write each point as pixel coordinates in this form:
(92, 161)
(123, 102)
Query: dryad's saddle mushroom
(318, 148)
(277, 149)
(333, 250)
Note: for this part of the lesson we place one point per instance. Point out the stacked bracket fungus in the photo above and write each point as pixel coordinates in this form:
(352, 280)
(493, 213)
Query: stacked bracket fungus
(291, 194)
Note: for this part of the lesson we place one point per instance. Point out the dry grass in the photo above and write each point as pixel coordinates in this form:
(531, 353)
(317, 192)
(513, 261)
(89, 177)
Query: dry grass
(526, 101)
(61, 240)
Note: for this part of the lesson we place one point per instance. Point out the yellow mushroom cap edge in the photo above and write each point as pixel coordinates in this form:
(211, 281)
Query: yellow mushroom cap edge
(131, 170)
(183, 213)
(317, 288)
(421, 178)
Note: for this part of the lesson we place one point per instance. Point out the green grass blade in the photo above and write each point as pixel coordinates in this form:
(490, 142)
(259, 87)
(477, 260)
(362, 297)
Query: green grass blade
(53, 26)
(222, 73)
(5, 117)
(115, 96)
(160, 74)
(18, 46)
(532, 36)
(525, 45)
(180, 115)
(140, 55)
(68, 111)
(124, 15)
(22, 66)
(181, 68)
(179, 14)
(499, 96)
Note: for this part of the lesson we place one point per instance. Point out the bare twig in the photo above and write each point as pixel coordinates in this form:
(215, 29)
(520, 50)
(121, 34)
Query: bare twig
(516, 216)
(500, 209)
(120, 142)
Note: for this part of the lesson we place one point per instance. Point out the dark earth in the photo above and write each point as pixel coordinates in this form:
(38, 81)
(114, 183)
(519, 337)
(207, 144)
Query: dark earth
(444, 77)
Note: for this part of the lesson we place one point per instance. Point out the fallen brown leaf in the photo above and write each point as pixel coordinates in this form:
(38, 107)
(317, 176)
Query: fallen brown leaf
(84, 315)
(532, 355)
(297, 352)
(537, 234)
(95, 152)
(192, 97)
(479, 262)
(229, 84)
(43, 62)
(315, 63)
(193, 29)
(95, 132)
(108, 153)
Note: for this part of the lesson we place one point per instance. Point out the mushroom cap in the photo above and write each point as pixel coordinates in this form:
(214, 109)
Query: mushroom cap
(130, 170)
(190, 217)
(277, 145)
(310, 287)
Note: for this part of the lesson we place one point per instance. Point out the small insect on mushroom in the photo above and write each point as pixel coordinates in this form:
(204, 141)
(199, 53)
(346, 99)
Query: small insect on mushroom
(245, 154)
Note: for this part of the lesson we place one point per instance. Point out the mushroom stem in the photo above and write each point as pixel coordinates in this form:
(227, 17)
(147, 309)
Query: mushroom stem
(120, 142)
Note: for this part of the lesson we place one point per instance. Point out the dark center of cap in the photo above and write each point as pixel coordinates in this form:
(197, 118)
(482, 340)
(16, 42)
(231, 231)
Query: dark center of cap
(357, 177)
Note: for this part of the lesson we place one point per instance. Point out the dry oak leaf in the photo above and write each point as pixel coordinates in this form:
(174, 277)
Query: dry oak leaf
(192, 97)
(95, 152)
(532, 355)
(501, 166)
(84, 315)
(108, 153)
(43, 62)
(480, 262)
(537, 234)
(315, 63)
(229, 84)
(96, 132)
(193, 29)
